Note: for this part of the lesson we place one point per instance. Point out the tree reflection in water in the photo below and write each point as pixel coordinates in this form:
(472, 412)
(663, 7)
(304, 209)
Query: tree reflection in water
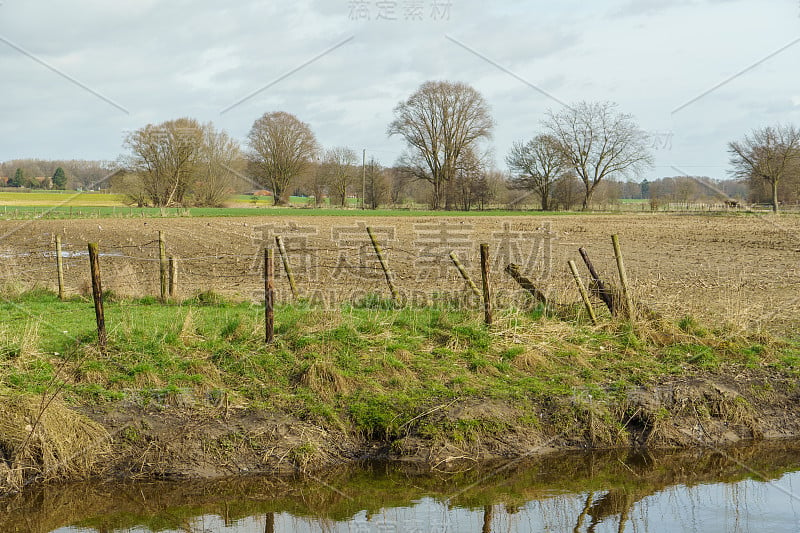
(582, 492)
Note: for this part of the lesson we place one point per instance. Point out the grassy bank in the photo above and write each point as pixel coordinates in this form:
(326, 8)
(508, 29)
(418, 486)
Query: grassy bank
(410, 378)
(379, 361)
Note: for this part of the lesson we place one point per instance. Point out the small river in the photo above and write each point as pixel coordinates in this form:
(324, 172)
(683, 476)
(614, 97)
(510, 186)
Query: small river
(738, 489)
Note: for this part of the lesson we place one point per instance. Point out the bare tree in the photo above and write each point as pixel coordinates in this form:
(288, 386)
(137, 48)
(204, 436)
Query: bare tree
(281, 149)
(88, 175)
(470, 179)
(164, 158)
(599, 142)
(340, 172)
(686, 189)
(608, 193)
(130, 185)
(179, 162)
(316, 182)
(488, 187)
(218, 168)
(376, 184)
(771, 153)
(535, 165)
(399, 182)
(566, 191)
(438, 122)
(411, 169)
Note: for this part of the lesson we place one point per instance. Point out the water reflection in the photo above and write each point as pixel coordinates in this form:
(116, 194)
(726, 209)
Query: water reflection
(740, 489)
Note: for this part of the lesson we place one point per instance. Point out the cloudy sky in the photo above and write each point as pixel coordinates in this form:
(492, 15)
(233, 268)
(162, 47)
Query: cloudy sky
(76, 75)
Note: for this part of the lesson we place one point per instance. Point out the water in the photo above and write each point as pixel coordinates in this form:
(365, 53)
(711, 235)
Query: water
(66, 254)
(733, 490)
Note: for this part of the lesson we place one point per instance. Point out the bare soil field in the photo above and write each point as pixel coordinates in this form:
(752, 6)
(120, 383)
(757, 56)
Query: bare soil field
(740, 271)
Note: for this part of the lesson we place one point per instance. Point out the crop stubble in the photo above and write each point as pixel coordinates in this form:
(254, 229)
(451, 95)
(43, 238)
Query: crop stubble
(738, 270)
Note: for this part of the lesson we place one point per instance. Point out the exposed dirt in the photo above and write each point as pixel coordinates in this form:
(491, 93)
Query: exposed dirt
(739, 270)
(186, 439)
(202, 441)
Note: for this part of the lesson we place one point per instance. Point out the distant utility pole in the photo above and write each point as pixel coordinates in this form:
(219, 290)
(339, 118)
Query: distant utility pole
(364, 179)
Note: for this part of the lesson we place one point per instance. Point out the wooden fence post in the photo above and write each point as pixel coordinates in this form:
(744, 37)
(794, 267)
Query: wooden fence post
(384, 265)
(269, 296)
(582, 290)
(515, 272)
(162, 262)
(623, 277)
(487, 293)
(465, 275)
(60, 268)
(97, 296)
(173, 276)
(287, 267)
(602, 292)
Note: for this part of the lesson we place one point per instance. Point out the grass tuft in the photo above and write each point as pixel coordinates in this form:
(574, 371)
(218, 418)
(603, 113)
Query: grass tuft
(50, 443)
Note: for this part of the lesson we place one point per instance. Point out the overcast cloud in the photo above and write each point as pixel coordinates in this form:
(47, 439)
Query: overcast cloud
(158, 60)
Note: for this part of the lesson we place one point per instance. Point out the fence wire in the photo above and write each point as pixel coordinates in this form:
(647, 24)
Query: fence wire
(336, 273)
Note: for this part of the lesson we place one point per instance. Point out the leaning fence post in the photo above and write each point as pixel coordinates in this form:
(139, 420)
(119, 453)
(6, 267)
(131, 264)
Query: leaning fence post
(582, 290)
(162, 262)
(487, 294)
(602, 292)
(60, 268)
(269, 296)
(384, 265)
(515, 272)
(173, 276)
(623, 277)
(97, 296)
(465, 274)
(286, 266)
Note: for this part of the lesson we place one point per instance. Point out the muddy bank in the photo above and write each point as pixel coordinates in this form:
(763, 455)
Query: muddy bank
(186, 438)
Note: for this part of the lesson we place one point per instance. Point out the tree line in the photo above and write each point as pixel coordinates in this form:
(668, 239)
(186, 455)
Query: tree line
(54, 174)
(580, 154)
(446, 127)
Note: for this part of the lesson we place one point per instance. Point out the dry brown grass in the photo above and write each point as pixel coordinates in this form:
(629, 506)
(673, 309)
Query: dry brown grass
(40, 440)
(188, 333)
(324, 378)
(28, 343)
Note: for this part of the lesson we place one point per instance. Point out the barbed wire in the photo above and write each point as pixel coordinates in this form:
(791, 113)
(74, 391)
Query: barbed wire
(349, 267)
(302, 253)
